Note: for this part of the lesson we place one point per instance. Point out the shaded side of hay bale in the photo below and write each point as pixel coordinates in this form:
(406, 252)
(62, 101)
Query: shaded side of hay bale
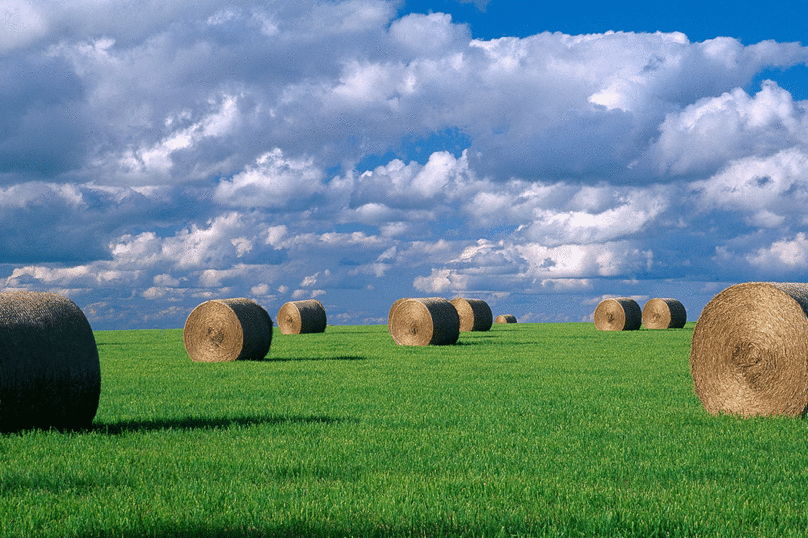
(224, 330)
(50, 375)
(302, 317)
(424, 321)
(664, 314)
(505, 318)
(618, 314)
(748, 353)
(475, 314)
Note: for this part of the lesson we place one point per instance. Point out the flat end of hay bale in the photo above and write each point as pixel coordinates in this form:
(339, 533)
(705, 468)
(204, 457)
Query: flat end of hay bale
(50, 374)
(224, 330)
(664, 314)
(424, 321)
(747, 355)
(302, 317)
(505, 318)
(618, 314)
(475, 314)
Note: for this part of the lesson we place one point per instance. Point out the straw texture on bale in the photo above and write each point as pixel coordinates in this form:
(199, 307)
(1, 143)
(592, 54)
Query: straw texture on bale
(749, 352)
(301, 317)
(224, 330)
(390, 313)
(620, 314)
(664, 314)
(425, 321)
(505, 318)
(50, 375)
(475, 314)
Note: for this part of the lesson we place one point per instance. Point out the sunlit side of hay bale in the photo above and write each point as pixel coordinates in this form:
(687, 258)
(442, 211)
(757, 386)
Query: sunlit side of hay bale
(505, 318)
(749, 352)
(224, 330)
(50, 375)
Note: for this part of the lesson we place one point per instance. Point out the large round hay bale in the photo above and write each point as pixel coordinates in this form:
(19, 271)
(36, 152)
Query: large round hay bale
(50, 375)
(664, 314)
(224, 330)
(505, 318)
(301, 317)
(618, 314)
(475, 314)
(426, 321)
(749, 352)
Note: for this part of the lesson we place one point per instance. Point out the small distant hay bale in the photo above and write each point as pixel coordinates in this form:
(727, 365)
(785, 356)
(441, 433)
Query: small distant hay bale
(302, 317)
(505, 318)
(475, 314)
(424, 321)
(618, 314)
(664, 314)
(50, 375)
(224, 330)
(749, 352)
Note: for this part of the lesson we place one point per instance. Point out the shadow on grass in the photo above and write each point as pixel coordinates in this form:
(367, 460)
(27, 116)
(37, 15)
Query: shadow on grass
(195, 423)
(327, 358)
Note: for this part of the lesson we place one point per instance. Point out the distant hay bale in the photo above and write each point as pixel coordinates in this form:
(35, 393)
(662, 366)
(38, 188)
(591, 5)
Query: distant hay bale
(749, 352)
(664, 314)
(50, 375)
(422, 322)
(224, 330)
(619, 314)
(301, 317)
(505, 318)
(475, 314)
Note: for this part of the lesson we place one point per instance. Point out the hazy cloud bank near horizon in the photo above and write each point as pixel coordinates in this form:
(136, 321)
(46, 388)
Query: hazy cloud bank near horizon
(154, 158)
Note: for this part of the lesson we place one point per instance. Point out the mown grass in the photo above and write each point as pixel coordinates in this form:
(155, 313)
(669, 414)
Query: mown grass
(526, 430)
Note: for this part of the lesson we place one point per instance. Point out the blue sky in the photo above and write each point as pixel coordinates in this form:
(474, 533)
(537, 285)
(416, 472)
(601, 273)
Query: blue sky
(541, 156)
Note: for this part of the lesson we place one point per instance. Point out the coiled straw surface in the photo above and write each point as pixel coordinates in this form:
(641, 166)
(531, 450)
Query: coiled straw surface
(300, 317)
(620, 314)
(50, 375)
(425, 321)
(749, 353)
(505, 318)
(664, 314)
(224, 330)
(475, 314)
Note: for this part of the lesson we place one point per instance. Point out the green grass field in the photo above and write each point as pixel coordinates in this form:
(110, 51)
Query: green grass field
(525, 430)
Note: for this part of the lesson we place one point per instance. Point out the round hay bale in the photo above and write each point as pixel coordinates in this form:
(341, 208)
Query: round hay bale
(619, 314)
(505, 318)
(224, 330)
(664, 314)
(50, 375)
(301, 317)
(421, 322)
(475, 314)
(749, 352)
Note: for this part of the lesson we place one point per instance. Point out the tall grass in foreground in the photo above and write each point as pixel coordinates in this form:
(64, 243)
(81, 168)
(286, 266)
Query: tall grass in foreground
(525, 430)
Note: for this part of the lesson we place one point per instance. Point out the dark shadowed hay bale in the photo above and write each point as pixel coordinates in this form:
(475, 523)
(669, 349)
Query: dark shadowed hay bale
(619, 314)
(225, 330)
(475, 314)
(749, 353)
(301, 317)
(505, 318)
(664, 314)
(421, 322)
(50, 375)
